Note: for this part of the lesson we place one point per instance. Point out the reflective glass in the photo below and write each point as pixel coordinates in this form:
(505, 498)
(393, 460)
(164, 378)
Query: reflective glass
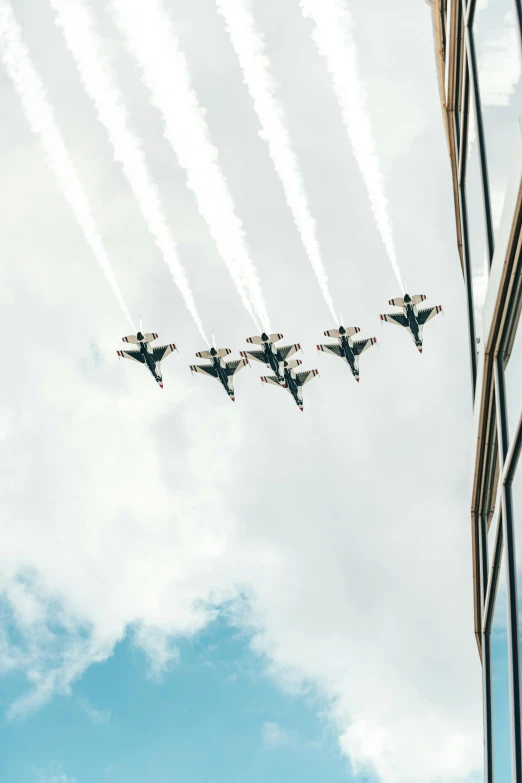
(476, 226)
(513, 376)
(499, 67)
(500, 685)
(516, 489)
(492, 532)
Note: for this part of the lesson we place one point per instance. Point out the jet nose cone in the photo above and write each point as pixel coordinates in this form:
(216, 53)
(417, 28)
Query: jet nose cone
(233, 399)
(357, 379)
(301, 408)
(420, 350)
(161, 386)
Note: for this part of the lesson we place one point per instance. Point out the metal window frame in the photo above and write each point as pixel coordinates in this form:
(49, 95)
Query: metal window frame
(495, 458)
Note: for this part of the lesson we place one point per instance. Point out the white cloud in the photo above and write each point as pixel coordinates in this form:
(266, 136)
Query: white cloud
(128, 510)
(54, 774)
(499, 64)
(273, 735)
(160, 650)
(94, 714)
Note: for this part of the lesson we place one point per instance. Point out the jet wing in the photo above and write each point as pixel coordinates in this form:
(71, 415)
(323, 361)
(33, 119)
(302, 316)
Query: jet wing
(136, 355)
(395, 318)
(362, 345)
(236, 366)
(273, 379)
(427, 314)
(331, 348)
(304, 377)
(258, 356)
(287, 350)
(205, 369)
(161, 351)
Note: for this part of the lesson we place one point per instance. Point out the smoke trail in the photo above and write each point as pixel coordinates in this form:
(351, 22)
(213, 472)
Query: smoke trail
(249, 47)
(334, 41)
(76, 22)
(39, 113)
(150, 38)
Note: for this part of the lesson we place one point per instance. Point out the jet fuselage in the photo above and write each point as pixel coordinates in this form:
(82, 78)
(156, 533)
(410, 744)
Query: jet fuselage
(413, 325)
(291, 385)
(146, 352)
(273, 360)
(221, 371)
(348, 354)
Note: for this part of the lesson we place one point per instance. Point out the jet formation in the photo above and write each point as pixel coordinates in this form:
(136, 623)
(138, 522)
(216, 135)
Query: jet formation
(277, 358)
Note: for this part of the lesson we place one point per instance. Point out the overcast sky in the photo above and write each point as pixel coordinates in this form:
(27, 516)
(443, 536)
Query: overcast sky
(333, 546)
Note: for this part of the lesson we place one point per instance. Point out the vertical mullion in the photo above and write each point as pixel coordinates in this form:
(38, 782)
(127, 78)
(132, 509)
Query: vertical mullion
(484, 569)
(467, 282)
(458, 78)
(470, 12)
(462, 157)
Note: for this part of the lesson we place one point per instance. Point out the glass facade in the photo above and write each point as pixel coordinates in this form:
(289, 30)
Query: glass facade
(479, 63)
(500, 684)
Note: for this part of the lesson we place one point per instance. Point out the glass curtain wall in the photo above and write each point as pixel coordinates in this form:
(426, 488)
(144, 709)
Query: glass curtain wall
(480, 51)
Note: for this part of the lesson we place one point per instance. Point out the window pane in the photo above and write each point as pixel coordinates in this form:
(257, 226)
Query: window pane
(499, 67)
(500, 684)
(476, 225)
(516, 489)
(492, 532)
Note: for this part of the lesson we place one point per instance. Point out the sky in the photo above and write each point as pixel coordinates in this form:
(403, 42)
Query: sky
(193, 590)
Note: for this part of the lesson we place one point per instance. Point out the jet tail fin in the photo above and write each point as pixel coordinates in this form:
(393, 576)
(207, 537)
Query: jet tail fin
(268, 338)
(221, 352)
(148, 337)
(349, 330)
(293, 363)
(418, 298)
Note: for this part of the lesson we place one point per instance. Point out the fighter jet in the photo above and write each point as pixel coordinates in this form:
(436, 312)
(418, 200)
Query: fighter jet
(346, 348)
(219, 368)
(411, 318)
(146, 354)
(270, 354)
(291, 380)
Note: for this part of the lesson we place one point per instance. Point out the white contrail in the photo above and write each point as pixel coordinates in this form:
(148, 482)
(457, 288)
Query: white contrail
(334, 40)
(98, 79)
(249, 47)
(148, 30)
(38, 110)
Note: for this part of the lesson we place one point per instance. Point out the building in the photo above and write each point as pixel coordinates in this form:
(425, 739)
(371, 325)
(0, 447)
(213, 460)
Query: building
(478, 59)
